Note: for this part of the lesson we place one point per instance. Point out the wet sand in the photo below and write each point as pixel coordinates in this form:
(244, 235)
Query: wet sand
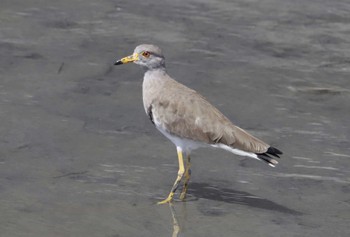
(79, 157)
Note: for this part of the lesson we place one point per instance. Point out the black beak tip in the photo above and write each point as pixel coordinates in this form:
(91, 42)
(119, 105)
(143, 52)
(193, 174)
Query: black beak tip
(118, 62)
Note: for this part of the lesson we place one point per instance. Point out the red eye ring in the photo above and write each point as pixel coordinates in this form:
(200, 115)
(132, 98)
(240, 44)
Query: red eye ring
(146, 54)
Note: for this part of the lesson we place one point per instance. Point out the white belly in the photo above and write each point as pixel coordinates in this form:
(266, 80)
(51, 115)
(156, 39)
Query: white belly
(186, 144)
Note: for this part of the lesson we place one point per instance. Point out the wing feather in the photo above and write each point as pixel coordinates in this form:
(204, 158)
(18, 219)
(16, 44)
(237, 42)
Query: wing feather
(185, 113)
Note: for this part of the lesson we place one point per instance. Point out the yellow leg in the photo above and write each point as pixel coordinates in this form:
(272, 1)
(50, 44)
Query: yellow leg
(180, 174)
(187, 178)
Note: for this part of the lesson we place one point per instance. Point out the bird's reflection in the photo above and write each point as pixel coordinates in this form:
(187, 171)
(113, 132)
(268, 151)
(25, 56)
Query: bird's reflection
(231, 196)
(176, 226)
(220, 194)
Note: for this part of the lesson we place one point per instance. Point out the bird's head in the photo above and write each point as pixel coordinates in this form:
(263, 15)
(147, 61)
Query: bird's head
(146, 55)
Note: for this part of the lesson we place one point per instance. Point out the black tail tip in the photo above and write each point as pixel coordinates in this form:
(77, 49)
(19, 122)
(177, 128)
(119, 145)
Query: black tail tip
(266, 156)
(274, 151)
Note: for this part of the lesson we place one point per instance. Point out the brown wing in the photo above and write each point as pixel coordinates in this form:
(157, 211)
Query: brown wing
(185, 113)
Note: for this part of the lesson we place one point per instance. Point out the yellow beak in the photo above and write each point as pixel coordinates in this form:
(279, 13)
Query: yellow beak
(129, 59)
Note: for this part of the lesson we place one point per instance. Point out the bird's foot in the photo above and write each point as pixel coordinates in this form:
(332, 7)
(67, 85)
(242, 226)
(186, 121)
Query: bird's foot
(169, 199)
(183, 194)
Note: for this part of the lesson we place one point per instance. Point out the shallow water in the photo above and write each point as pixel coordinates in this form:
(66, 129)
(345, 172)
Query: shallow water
(80, 158)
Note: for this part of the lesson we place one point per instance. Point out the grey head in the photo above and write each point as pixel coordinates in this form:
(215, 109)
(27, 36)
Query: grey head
(147, 55)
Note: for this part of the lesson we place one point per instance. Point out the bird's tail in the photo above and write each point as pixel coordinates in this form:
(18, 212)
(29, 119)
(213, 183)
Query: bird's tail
(271, 151)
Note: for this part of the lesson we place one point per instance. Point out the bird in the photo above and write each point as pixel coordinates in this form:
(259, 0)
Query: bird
(188, 120)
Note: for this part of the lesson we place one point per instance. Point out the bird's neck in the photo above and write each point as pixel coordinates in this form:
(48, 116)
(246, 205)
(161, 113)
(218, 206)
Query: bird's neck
(153, 82)
(156, 68)
(153, 73)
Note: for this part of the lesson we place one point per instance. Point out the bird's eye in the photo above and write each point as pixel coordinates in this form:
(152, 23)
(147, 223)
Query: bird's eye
(146, 54)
